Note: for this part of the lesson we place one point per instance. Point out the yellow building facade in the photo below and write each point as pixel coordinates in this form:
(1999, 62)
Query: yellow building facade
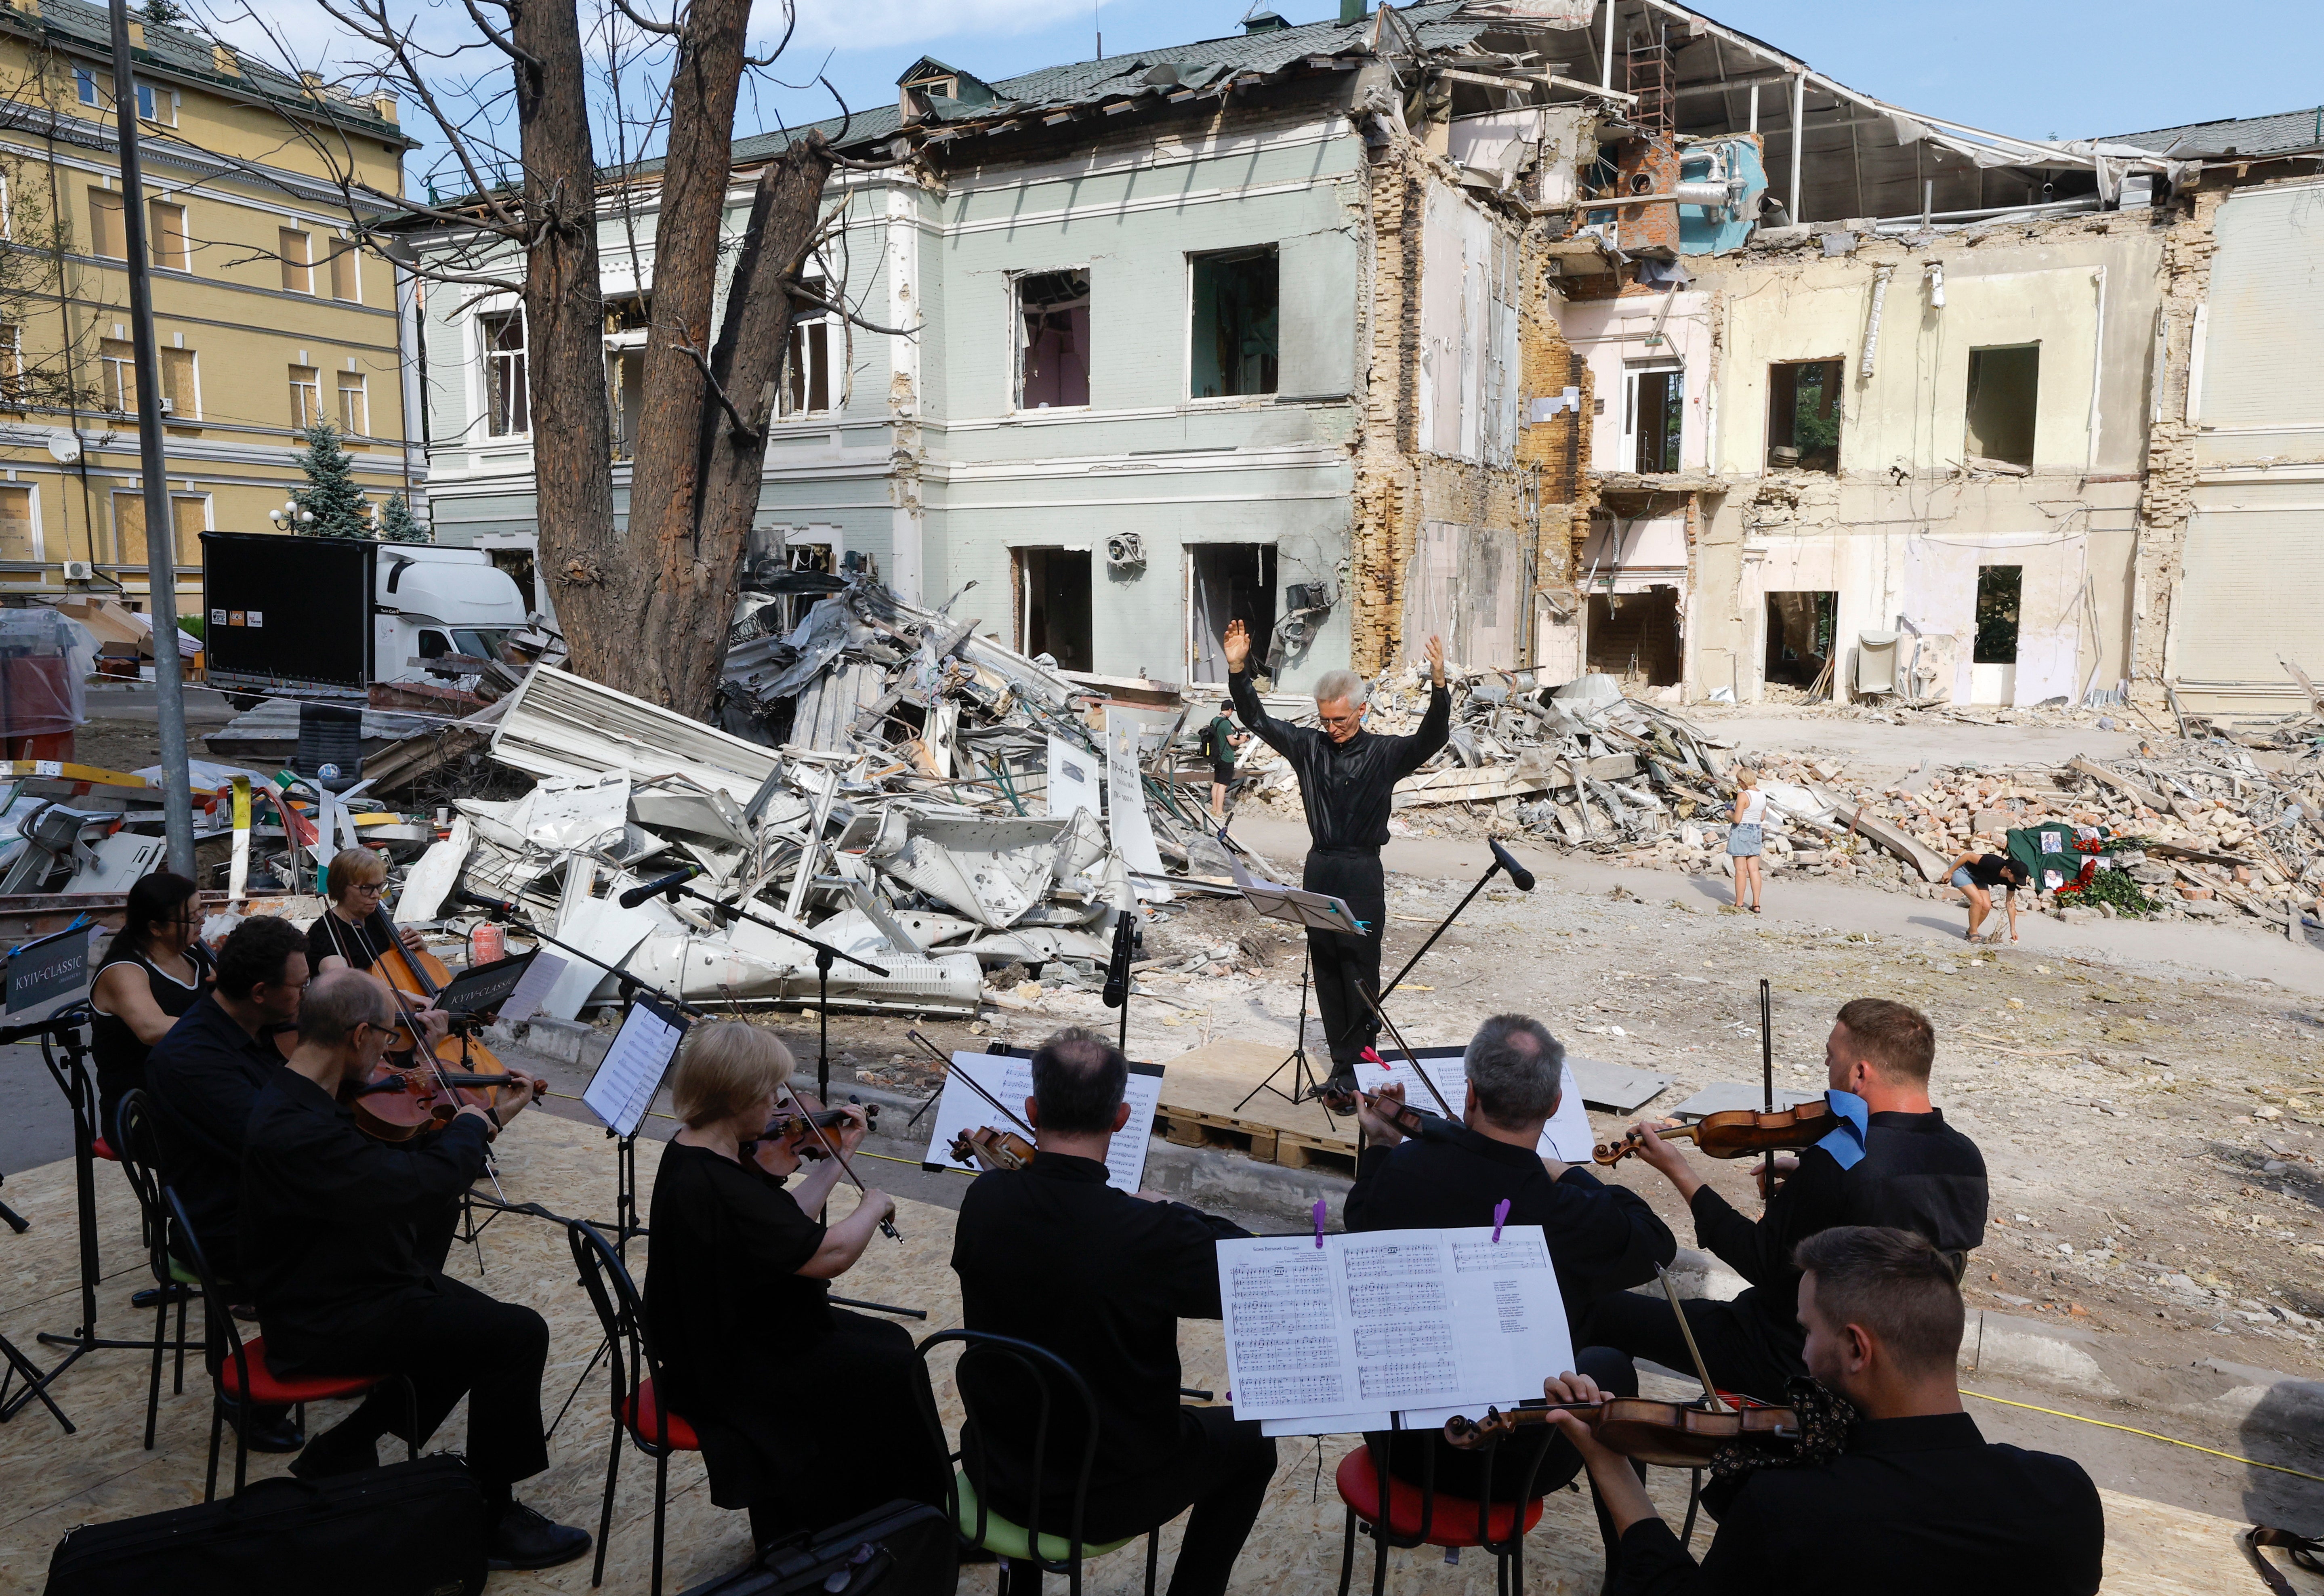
(267, 315)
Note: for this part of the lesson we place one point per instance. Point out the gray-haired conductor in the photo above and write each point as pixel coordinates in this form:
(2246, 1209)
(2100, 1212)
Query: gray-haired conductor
(1346, 775)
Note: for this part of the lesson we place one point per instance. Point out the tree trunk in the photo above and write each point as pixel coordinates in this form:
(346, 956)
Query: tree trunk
(580, 556)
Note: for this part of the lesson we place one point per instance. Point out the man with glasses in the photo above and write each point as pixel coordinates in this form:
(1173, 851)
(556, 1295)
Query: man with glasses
(1346, 777)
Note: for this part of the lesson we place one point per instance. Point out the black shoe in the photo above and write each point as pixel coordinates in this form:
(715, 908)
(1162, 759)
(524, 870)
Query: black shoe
(524, 1540)
(153, 1296)
(332, 1452)
(266, 1429)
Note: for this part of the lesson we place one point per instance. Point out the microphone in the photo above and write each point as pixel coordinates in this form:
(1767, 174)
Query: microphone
(1125, 952)
(499, 905)
(1519, 876)
(660, 884)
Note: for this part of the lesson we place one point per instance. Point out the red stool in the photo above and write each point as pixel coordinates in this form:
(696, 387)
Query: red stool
(1416, 1515)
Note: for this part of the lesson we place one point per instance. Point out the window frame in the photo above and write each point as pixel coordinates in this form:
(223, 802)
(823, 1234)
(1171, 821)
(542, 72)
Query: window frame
(303, 267)
(102, 200)
(184, 408)
(155, 232)
(299, 405)
(362, 390)
(1634, 410)
(1273, 249)
(118, 372)
(1021, 345)
(12, 367)
(152, 99)
(85, 89)
(32, 491)
(515, 362)
(800, 339)
(179, 556)
(342, 256)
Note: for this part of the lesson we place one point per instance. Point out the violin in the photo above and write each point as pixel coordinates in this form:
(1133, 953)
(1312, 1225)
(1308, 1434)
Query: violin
(389, 1116)
(989, 1149)
(423, 1099)
(1738, 1133)
(1668, 1435)
(795, 1133)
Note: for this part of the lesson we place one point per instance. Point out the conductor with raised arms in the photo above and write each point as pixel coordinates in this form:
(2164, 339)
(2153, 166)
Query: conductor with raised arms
(1346, 778)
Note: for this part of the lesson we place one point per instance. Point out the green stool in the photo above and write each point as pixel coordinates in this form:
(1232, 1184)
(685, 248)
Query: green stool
(1004, 1539)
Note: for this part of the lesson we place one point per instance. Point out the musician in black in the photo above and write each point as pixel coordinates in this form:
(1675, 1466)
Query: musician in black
(1896, 1492)
(328, 1217)
(1052, 1254)
(808, 1414)
(1600, 1237)
(354, 931)
(154, 968)
(1916, 1173)
(1346, 778)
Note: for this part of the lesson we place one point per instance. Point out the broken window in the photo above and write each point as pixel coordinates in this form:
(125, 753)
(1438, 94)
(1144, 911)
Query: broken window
(1053, 605)
(1235, 299)
(2002, 386)
(807, 380)
(1999, 589)
(1800, 627)
(1804, 415)
(627, 319)
(1655, 411)
(1635, 636)
(1227, 582)
(507, 400)
(1053, 340)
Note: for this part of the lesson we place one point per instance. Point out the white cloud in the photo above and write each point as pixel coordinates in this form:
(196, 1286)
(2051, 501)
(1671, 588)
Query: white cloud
(873, 24)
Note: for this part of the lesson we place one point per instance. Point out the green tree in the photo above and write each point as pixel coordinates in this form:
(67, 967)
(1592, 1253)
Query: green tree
(330, 506)
(397, 524)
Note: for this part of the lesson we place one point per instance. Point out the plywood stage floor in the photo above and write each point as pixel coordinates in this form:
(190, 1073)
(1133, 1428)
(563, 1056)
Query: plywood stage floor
(50, 1481)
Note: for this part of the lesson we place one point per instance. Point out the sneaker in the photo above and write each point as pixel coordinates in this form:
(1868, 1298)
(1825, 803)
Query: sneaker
(524, 1540)
(331, 1453)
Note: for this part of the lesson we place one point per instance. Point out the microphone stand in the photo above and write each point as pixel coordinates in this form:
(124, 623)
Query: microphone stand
(823, 956)
(1443, 926)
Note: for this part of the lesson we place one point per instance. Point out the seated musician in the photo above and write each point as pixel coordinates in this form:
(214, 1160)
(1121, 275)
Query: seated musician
(1916, 1173)
(328, 1250)
(808, 1415)
(353, 930)
(1053, 1255)
(153, 971)
(1907, 1500)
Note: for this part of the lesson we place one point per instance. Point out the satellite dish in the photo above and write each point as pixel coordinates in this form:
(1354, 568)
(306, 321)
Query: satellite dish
(64, 447)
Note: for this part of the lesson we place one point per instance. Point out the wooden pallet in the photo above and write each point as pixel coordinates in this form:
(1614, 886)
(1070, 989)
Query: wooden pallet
(1207, 1102)
(1265, 1143)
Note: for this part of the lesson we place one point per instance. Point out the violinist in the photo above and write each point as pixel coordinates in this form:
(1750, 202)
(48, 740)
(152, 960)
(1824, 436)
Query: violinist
(329, 1217)
(152, 972)
(1601, 1236)
(1914, 1172)
(1893, 1489)
(1054, 1255)
(353, 930)
(808, 1415)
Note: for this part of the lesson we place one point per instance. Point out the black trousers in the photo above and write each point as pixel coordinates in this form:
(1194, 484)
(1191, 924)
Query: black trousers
(1221, 1469)
(1744, 1354)
(1463, 1473)
(1347, 966)
(452, 1343)
(861, 1397)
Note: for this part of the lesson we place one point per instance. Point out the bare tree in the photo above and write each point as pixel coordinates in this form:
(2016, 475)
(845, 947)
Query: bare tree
(670, 575)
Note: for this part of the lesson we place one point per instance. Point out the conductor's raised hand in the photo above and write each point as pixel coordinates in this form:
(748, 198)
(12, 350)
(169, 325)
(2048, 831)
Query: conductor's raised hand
(1435, 661)
(1237, 644)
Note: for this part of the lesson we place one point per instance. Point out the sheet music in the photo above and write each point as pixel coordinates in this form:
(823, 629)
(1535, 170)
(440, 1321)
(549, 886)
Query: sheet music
(534, 986)
(1567, 1137)
(1332, 1339)
(624, 1085)
(959, 1108)
(1301, 908)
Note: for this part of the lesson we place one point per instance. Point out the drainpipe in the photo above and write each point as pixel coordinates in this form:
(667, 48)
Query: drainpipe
(1606, 72)
(1872, 334)
(1799, 121)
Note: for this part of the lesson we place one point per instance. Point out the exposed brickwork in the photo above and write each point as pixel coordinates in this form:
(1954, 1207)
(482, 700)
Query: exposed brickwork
(2168, 492)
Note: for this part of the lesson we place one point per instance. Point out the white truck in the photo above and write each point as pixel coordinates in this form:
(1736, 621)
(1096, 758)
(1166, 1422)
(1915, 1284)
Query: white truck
(340, 613)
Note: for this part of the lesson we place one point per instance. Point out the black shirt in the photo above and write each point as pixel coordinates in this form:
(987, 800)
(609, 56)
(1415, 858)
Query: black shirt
(203, 1079)
(120, 1056)
(1986, 869)
(1913, 1507)
(359, 944)
(728, 1244)
(328, 1215)
(1600, 1237)
(1052, 1254)
(1345, 787)
(1917, 1174)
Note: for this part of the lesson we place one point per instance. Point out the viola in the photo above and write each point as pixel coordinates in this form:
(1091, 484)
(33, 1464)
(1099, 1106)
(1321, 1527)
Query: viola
(989, 1149)
(397, 1104)
(1668, 1434)
(1414, 1122)
(409, 976)
(1738, 1133)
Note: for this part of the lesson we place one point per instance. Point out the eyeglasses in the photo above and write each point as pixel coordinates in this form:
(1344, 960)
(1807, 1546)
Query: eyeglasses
(371, 889)
(1333, 722)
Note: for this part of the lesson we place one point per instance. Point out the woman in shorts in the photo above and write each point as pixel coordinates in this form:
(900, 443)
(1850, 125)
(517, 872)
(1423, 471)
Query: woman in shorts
(1745, 837)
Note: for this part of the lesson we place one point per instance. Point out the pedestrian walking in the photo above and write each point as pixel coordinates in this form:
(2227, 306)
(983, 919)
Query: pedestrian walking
(1745, 837)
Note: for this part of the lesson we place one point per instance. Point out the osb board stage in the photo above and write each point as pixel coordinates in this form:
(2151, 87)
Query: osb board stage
(50, 1481)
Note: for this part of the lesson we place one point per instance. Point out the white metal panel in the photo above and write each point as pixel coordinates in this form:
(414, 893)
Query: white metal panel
(2254, 589)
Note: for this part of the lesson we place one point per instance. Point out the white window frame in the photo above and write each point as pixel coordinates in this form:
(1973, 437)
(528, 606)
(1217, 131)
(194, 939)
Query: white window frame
(119, 374)
(12, 345)
(194, 373)
(308, 265)
(138, 493)
(835, 355)
(31, 486)
(85, 88)
(363, 388)
(298, 402)
(184, 234)
(1632, 370)
(153, 100)
(7, 207)
(485, 319)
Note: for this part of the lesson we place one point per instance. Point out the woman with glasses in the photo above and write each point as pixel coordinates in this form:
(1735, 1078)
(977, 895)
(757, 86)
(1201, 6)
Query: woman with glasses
(154, 968)
(353, 933)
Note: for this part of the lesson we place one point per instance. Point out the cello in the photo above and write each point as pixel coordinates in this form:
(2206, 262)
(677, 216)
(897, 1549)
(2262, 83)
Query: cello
(430, 1093)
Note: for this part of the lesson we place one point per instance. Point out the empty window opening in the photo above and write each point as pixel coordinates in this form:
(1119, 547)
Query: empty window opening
(628, 317)
(1053, 340)
(1053, 605)
(807, 385)
(1800, 627)
(2002, 387)
(1655, 411)
(1804, 415)
(1998, 590)
(1227, 582)
(1635, 636)
(1235, 298)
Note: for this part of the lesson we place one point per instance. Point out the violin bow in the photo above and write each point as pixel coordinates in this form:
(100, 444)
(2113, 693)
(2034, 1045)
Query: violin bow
(886, 1226)
(1709, 1392)
(1405, 1047)
(419, 1046)
(1767, 1078)
(970, 1082)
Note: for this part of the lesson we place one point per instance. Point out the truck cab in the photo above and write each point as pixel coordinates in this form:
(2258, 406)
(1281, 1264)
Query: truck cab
(432, 603)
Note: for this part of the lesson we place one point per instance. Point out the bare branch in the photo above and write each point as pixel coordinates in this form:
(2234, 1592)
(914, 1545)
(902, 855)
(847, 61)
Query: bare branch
(790, 26)
(737, 426)
(671, 30)
(500, 40)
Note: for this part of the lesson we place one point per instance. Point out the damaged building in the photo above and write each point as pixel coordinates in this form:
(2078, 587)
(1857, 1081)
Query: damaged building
(1594, 336)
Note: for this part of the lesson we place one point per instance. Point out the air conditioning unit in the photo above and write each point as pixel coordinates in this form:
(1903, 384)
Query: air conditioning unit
(79, 570)
(1123, 550)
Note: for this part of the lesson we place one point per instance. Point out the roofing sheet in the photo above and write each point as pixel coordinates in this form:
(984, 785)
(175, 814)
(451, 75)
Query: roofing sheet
(2275, 134)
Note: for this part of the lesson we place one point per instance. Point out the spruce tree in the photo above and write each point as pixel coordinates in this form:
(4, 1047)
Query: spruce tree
(397, 524)
(330, 495)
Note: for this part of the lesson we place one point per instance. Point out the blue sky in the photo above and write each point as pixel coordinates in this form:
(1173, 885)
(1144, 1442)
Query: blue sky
(2029, 67)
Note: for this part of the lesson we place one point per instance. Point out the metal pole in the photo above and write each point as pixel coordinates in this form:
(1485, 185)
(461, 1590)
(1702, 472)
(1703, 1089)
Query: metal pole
(1799, 121)
(160, 527)
(1605, 73)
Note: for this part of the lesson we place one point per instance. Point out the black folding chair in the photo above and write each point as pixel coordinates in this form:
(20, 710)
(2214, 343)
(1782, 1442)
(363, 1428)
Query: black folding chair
(1022, 1378)
(139, 1152)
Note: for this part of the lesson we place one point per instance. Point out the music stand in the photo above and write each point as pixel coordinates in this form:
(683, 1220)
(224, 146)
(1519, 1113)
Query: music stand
(628, 1080)
(1304, 1087)
(1313, 911)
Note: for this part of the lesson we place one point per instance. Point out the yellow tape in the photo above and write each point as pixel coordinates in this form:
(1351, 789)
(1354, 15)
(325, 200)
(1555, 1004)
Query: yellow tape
(2149, 1435)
